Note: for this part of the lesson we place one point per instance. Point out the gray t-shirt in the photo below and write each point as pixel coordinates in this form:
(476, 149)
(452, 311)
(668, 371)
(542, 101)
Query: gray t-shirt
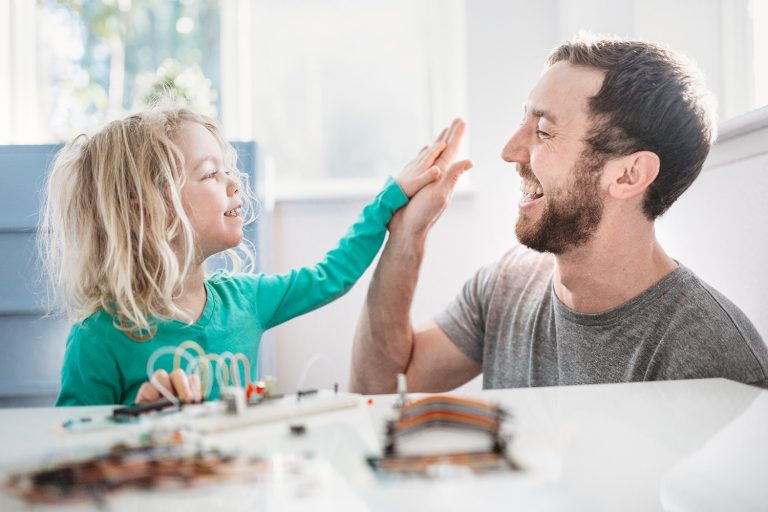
(509, 319)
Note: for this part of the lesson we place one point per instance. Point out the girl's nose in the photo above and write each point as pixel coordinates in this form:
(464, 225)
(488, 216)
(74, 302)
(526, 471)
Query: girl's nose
(233, 186)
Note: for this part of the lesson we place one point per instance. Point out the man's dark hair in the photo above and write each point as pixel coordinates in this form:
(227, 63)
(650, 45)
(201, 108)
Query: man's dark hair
(650, 100)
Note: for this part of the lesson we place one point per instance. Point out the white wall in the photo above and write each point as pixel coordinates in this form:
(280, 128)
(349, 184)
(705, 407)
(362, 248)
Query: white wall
(717, 228)
(507, 42)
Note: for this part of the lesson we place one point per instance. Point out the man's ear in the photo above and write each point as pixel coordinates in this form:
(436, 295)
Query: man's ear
(633, 174)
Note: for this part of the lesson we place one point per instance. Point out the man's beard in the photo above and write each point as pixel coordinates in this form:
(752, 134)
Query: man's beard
(571, 215)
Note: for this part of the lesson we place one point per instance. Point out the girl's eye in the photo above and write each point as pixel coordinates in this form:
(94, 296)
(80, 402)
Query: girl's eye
(211, 175)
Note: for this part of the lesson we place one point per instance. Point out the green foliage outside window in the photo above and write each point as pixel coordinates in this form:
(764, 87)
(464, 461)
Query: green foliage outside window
(123, 55)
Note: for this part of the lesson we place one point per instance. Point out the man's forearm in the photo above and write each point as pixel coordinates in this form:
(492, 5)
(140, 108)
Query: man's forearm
(384, 335)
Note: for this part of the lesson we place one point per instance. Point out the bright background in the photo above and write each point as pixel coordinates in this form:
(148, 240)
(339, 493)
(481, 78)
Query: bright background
(341, 93)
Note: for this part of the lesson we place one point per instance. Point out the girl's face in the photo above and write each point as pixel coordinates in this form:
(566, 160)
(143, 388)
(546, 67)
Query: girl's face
(211, 195)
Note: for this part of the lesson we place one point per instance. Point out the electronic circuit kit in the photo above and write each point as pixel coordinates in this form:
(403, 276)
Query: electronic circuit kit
(170, 444)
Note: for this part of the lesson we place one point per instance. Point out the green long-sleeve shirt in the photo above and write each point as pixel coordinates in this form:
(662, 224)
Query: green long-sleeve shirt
(104, 366)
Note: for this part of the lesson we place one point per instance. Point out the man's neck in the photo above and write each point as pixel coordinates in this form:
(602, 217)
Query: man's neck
(611, 269)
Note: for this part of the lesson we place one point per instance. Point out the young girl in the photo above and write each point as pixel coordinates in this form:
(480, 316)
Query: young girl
(132, 214)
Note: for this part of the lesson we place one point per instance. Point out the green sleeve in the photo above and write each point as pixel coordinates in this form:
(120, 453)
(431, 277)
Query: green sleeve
(90, 375)
(280, 297)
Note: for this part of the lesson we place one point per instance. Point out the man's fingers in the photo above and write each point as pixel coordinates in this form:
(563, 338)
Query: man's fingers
(453, 139)
(455, 133)
(147, 393)
(181, 385)
(428, 157)
(457, 169)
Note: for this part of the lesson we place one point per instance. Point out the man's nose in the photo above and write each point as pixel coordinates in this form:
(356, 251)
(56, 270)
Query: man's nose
(516, 148)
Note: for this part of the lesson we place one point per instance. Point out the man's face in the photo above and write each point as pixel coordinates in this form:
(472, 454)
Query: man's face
(562, 203)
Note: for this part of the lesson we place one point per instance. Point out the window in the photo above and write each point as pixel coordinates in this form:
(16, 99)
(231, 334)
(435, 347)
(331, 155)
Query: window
(341, 92)
(744, 55)
(759, 14)
(73, 65)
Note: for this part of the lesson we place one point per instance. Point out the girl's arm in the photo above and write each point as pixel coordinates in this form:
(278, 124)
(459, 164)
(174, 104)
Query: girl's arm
(281, 297)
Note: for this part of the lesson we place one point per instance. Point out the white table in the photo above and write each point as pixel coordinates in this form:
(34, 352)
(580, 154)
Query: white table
(686, 445)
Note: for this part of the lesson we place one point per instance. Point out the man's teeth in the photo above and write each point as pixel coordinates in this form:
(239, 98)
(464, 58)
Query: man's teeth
(234, 212)
(531, 190)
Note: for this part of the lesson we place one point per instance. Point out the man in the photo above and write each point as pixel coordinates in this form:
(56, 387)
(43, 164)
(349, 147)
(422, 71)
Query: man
(612, 134)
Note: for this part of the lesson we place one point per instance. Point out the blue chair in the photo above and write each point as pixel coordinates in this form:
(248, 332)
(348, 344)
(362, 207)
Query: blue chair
(31, 343)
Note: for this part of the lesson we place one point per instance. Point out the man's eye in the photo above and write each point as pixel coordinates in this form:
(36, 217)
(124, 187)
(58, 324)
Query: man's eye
(542, 134)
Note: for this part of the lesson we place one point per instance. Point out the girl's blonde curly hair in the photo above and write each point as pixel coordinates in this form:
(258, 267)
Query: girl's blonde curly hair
(114, 234)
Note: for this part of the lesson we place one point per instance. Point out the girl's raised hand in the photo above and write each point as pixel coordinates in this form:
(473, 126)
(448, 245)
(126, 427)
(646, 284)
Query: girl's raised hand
(424, 170)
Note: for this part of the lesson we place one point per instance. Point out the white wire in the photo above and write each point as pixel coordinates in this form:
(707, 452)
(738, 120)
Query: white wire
(223, 362)
(151, 371)
(312, 360)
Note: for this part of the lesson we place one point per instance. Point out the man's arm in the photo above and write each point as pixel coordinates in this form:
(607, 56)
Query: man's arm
(385, 341)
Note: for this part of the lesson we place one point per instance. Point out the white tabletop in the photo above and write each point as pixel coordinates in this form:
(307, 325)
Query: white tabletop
(685, 445)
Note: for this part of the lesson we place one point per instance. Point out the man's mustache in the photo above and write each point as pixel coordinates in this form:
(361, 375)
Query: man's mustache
(525, 172)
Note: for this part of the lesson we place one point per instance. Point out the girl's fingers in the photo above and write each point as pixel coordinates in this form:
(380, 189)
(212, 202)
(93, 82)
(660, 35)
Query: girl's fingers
(196, 387)
(428, 176)
(162, 382)
(147, 393)
(422, 180)
(428, 157)
(181, 385)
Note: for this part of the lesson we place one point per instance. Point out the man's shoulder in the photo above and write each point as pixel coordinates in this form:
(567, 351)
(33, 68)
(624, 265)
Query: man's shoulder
(518, 272)
(712, 331)
(713, 307)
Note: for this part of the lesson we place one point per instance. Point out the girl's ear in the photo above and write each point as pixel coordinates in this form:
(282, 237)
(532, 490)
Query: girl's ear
(631, 175)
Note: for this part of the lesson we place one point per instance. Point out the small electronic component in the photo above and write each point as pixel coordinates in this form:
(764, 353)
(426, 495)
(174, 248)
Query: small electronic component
(146, 466)
(131, 412)
(234, 399)
(304, 392)
(448, 414)
(402, 391)
(298, 429)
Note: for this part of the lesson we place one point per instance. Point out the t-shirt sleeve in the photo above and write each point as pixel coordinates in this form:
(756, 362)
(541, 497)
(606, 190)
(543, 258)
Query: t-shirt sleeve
(90, 375)
(464, 320)
(280, 297)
